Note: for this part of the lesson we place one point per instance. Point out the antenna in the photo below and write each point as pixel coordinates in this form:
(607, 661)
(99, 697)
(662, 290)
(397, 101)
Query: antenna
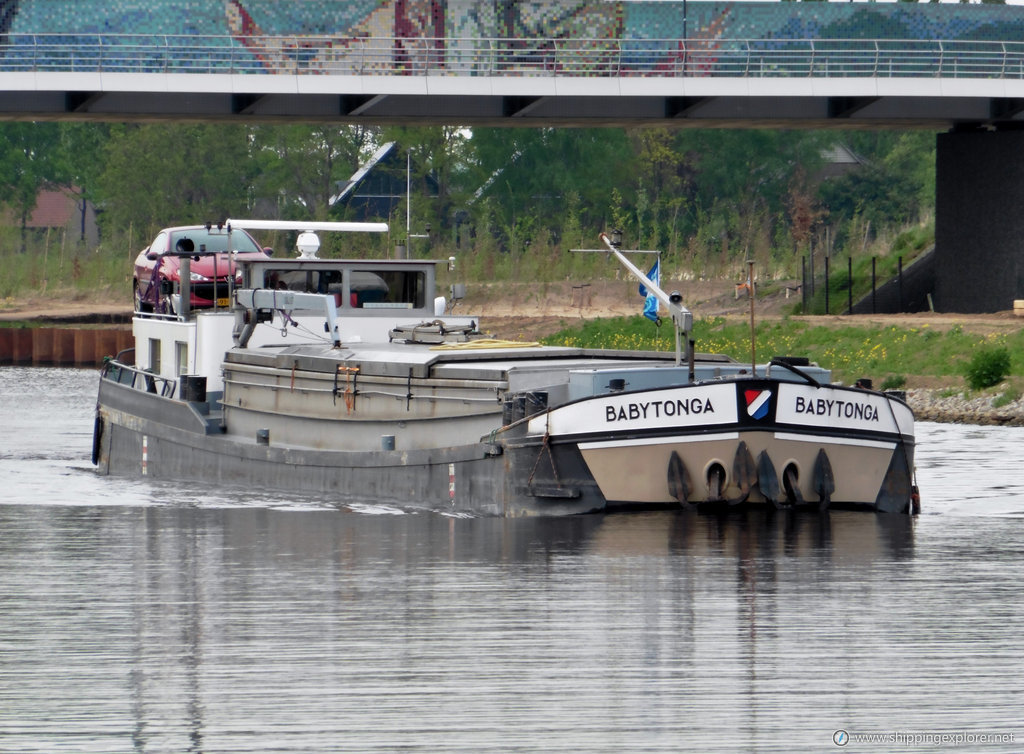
(408, 202)
(750, 292)
(310, 225)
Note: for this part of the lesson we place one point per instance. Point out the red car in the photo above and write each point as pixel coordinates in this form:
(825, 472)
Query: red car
(157, 267)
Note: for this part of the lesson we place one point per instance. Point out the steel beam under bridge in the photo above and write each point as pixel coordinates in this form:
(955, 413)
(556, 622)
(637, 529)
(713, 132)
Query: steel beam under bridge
(787, 102)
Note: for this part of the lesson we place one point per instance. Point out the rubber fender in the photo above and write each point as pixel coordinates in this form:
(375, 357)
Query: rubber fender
(97, 439)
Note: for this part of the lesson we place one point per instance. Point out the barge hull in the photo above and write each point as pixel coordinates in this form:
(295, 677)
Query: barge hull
(162, 438)
(145, 435)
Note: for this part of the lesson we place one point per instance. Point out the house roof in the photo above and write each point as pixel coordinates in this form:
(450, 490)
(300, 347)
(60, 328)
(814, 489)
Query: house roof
(55, 208)
(840, 154)
(349, 187)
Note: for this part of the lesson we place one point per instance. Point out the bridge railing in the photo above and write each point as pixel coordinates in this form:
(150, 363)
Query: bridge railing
(313, 55)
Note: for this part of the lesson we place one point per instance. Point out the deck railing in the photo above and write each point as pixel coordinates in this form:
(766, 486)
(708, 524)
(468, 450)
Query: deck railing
(139, 379)
(291, 55)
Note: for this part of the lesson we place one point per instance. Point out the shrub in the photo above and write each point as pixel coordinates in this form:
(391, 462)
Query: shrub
(894, 382)
(1006, 398)
(989, 366)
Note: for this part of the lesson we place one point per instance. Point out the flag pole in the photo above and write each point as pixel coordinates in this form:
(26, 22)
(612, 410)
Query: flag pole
(682, 318)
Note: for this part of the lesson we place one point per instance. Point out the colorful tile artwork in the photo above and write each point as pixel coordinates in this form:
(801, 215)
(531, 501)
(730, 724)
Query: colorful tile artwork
(644, 24)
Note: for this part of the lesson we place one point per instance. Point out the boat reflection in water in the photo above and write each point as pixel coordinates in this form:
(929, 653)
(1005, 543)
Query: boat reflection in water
(223, 629)
(759, 534)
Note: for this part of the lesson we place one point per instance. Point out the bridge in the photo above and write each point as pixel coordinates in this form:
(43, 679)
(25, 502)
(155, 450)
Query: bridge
(950, 68)
(499, 81)
(586, 62)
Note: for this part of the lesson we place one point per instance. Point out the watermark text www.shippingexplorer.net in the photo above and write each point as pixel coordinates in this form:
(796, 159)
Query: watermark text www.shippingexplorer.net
(923, 738)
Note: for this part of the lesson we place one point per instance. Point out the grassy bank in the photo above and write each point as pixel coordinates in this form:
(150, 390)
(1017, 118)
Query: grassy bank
(892, 355)
(57, 267)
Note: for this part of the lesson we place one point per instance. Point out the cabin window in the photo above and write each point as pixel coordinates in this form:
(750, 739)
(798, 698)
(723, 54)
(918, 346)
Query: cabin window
(388, 289)
(181, 357)
(154, 355)
(303, 280)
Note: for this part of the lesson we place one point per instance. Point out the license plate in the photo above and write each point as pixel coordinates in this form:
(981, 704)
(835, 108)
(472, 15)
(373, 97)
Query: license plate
(224, 302)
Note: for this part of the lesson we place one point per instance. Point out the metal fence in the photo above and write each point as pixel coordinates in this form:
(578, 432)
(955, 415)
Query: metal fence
(833, 286)
(756, 58)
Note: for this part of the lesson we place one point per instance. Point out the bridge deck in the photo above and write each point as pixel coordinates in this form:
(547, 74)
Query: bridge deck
(810, 83)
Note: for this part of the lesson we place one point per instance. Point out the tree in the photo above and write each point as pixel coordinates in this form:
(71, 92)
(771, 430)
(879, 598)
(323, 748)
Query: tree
(83, 153)
(894, 186)
(746, 169)
(30, 157)
(537, 173)
(667, 178)
(169, 174)
(444, 154)
(300, 166)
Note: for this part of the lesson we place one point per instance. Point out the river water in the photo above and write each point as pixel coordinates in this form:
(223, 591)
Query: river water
(147, 617)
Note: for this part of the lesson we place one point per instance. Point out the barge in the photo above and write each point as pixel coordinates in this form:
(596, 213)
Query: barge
(353, 379)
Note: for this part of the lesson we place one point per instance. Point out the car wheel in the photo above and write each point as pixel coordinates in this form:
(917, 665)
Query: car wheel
(140, 305)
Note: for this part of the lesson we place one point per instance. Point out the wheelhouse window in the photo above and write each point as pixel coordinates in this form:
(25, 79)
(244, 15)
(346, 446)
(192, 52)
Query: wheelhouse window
(365, 289)
(304, 280)
(388, 289)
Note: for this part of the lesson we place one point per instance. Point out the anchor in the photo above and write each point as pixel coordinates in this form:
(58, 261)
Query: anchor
(824, 480)
(743, 472)
(679, 485)
(768, 481)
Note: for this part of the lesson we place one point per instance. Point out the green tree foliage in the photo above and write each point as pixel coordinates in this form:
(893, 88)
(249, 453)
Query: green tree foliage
(517, 197)
(896, 181)
(158, 175)
(30, 157)
(743, 184)
(530, 176)
(441, 152)
(83, 150)
(299, 167)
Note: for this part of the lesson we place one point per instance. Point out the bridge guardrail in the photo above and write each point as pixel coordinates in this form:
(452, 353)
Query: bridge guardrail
(297, 55)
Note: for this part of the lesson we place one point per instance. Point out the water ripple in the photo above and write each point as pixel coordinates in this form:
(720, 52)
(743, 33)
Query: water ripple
(136, 618)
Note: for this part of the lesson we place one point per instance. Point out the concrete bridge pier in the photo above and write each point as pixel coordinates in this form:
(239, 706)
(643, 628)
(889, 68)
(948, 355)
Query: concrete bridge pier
(979, 221)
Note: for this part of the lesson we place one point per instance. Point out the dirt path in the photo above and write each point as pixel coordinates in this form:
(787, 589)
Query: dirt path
(527, 311)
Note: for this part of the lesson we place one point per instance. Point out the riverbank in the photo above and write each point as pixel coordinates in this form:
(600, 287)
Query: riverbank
(941, 406)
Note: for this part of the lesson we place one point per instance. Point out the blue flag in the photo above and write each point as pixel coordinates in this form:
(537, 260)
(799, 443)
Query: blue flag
(651, 302)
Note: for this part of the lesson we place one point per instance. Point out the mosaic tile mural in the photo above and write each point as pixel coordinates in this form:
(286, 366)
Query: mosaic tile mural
(645, 25)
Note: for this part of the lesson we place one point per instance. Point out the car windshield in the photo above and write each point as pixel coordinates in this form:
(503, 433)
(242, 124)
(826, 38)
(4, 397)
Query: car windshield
(217, 240)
